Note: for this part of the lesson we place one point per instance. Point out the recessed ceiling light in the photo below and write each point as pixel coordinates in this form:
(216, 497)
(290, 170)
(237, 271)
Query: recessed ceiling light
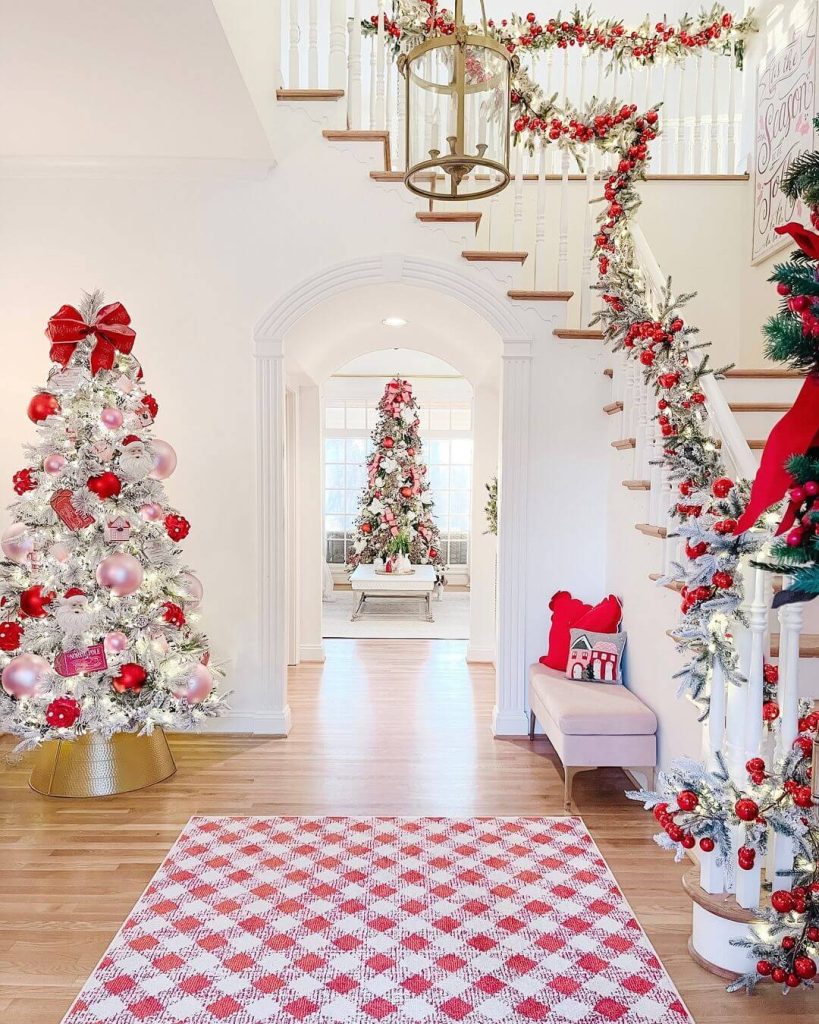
(394, 321)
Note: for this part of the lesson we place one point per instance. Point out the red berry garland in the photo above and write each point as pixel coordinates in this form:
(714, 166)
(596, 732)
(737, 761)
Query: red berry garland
(62, 712)
(173, 614)
(177, 527)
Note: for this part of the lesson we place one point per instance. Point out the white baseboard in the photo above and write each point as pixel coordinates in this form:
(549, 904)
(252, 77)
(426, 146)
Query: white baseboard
(311, 652)
(509, 723)
(479, 654)
(261, 723)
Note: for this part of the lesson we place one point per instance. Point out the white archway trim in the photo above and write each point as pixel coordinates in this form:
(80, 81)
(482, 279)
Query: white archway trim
(268, 347)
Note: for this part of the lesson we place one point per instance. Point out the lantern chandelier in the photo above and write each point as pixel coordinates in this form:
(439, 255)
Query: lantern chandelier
(457, 112)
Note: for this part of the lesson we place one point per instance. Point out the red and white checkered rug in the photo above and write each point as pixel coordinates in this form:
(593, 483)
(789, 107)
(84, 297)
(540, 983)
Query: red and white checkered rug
(401, 920)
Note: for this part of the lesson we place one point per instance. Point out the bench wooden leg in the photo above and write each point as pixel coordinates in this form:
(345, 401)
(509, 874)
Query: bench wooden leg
(568, 778)
(648, 772)
(531, 725)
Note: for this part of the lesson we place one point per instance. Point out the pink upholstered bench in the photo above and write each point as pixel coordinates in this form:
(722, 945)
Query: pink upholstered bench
(592, 725)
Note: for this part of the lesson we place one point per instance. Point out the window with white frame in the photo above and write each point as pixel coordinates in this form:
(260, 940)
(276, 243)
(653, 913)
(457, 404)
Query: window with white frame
(446, 434)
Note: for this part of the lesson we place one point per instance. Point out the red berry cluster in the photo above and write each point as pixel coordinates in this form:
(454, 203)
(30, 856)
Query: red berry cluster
(770, 704)
(173, 614)
(177, 527)
(391, 28)
(24, 480)
(794, 964)
(651, 335)
(803, 307)
(803, 508)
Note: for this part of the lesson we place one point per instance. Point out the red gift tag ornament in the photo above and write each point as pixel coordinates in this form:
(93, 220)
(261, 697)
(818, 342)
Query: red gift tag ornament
(63, 505)
(81, 659)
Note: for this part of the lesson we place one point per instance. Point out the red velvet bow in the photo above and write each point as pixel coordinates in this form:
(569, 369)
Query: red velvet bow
(794, 434)
(66, 329)
(807, 241)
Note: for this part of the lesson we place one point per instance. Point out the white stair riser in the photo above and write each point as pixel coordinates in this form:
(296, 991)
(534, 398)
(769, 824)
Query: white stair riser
(745, 389)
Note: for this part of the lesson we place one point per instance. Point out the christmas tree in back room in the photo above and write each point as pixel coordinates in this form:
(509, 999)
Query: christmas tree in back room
(97, 604)
(395, 502)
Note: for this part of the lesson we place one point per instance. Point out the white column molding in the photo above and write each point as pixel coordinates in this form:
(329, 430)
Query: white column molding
(483, 546)
(509, 715)
(273, 710)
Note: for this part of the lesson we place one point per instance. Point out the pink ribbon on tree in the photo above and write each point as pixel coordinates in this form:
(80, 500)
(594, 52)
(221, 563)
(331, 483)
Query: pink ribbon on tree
(110, 328)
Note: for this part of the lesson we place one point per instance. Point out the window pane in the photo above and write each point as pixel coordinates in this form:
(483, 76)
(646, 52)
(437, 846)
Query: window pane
(438, 452)
(460, 477)
(356, 417)
(350, 502)
(334, 417)
(333, 475)
(462, 451)
(459, 502)
(334, 449)
(439, 419)
(457, 552)
(423, 416)
(356, 450)
(438, 477)
(462, 419)
(372, 418)
(441, 502)
(334, 501)
(335, 552)
(459, 523)
(333, 525)
(356, 477)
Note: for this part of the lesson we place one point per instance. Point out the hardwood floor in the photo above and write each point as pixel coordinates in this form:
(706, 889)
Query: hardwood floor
(383, 727)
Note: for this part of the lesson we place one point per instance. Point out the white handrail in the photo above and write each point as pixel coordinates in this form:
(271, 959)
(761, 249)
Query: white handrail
(726, 427)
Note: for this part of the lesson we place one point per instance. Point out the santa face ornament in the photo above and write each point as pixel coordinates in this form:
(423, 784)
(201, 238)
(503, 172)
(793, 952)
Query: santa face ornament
(72, 612)
(135, 461)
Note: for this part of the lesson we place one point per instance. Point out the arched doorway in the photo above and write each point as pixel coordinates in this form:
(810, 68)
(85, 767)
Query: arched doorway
(301, 340)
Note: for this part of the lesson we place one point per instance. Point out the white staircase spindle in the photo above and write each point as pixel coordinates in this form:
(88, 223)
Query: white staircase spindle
(563, 239)
(373, 47)
(697, 143)
(354, 69)
(640, 430)
(665, 137)
(540, 217)
(680, 162)
(713, 877)
(336, 69)
(401, 123)
(388, 108)
(588, 246)
(758, 624)
(312, 45)
(714, 164)
(732, 114)
(293, 54)
(517, 208)
(790, 628)
(380, 84)
(629, 398)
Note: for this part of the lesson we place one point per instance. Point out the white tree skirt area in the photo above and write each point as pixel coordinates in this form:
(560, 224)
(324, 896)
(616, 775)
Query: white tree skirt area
(394, 618)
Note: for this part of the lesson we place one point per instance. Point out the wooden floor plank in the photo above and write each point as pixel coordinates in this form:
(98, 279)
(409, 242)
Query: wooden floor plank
(383, 727)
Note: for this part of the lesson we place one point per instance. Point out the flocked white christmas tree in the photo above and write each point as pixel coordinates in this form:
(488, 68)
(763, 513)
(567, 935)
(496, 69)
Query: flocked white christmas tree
(396, 501)
(97, 605)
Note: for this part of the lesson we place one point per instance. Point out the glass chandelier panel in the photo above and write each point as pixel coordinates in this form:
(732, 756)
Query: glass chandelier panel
(457, 116)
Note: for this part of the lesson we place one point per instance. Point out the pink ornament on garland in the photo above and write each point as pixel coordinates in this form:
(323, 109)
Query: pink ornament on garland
(54, 464)
(194, 684)
(26, 675)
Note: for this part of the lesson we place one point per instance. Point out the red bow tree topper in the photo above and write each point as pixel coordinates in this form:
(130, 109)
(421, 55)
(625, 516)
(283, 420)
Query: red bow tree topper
(110, 328)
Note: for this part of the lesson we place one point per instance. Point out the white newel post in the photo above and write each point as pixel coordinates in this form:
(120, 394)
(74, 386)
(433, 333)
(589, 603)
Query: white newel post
(271, 702)
(508, 716)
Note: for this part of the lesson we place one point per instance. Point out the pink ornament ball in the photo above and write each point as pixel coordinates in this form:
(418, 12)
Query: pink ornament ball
(194, 684)
(26, 675)
(17, 543)
(193, 590)
(116, 642)
(54, 464)
(120, 573)
(164, 459)
(112, 418)
(151, 512)
(59, 551)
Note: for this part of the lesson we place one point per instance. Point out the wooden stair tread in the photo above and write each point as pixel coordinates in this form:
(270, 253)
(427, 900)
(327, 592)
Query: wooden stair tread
(535, 296)
(578, 334)
(436, 217)
(362, 135)
(494, 256)
(722, 904)
(309, 94)
(764, 374)
(674, 585)
(756, 445)
(609, 373)
(612, 408)
(651, 531)
(808, 645)
(624, 442)
(637, 485)
(759, 406)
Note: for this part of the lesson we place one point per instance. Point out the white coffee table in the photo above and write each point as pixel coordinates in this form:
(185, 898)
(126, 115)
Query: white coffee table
(366, 582)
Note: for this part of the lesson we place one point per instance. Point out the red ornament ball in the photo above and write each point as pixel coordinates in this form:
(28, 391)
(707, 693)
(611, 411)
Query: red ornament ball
(783, 289)
(782, 901)
(770, 711)
(707, 844)
(24, 480)
(803, 797)
(725, 526)
(778, 975)
(696, 550)
(770, 673)
(686, 488)
(755, 765)
(647, 357)
(42, 405)
(173, 614)
(131, 677)
(433, 553)
(794, 539)
(11, 633)
(788, 942)
(659, 810)
(388, 442)
(763, 968)
(688, 841)
(177, 527)
(805, 744)
(687, 800)
(722, 580)
(406, 492)
(721, 487)
(410, 451)
(105, 485)
(746, 809)
(366, 528)
(33, 602)
(62, 712)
